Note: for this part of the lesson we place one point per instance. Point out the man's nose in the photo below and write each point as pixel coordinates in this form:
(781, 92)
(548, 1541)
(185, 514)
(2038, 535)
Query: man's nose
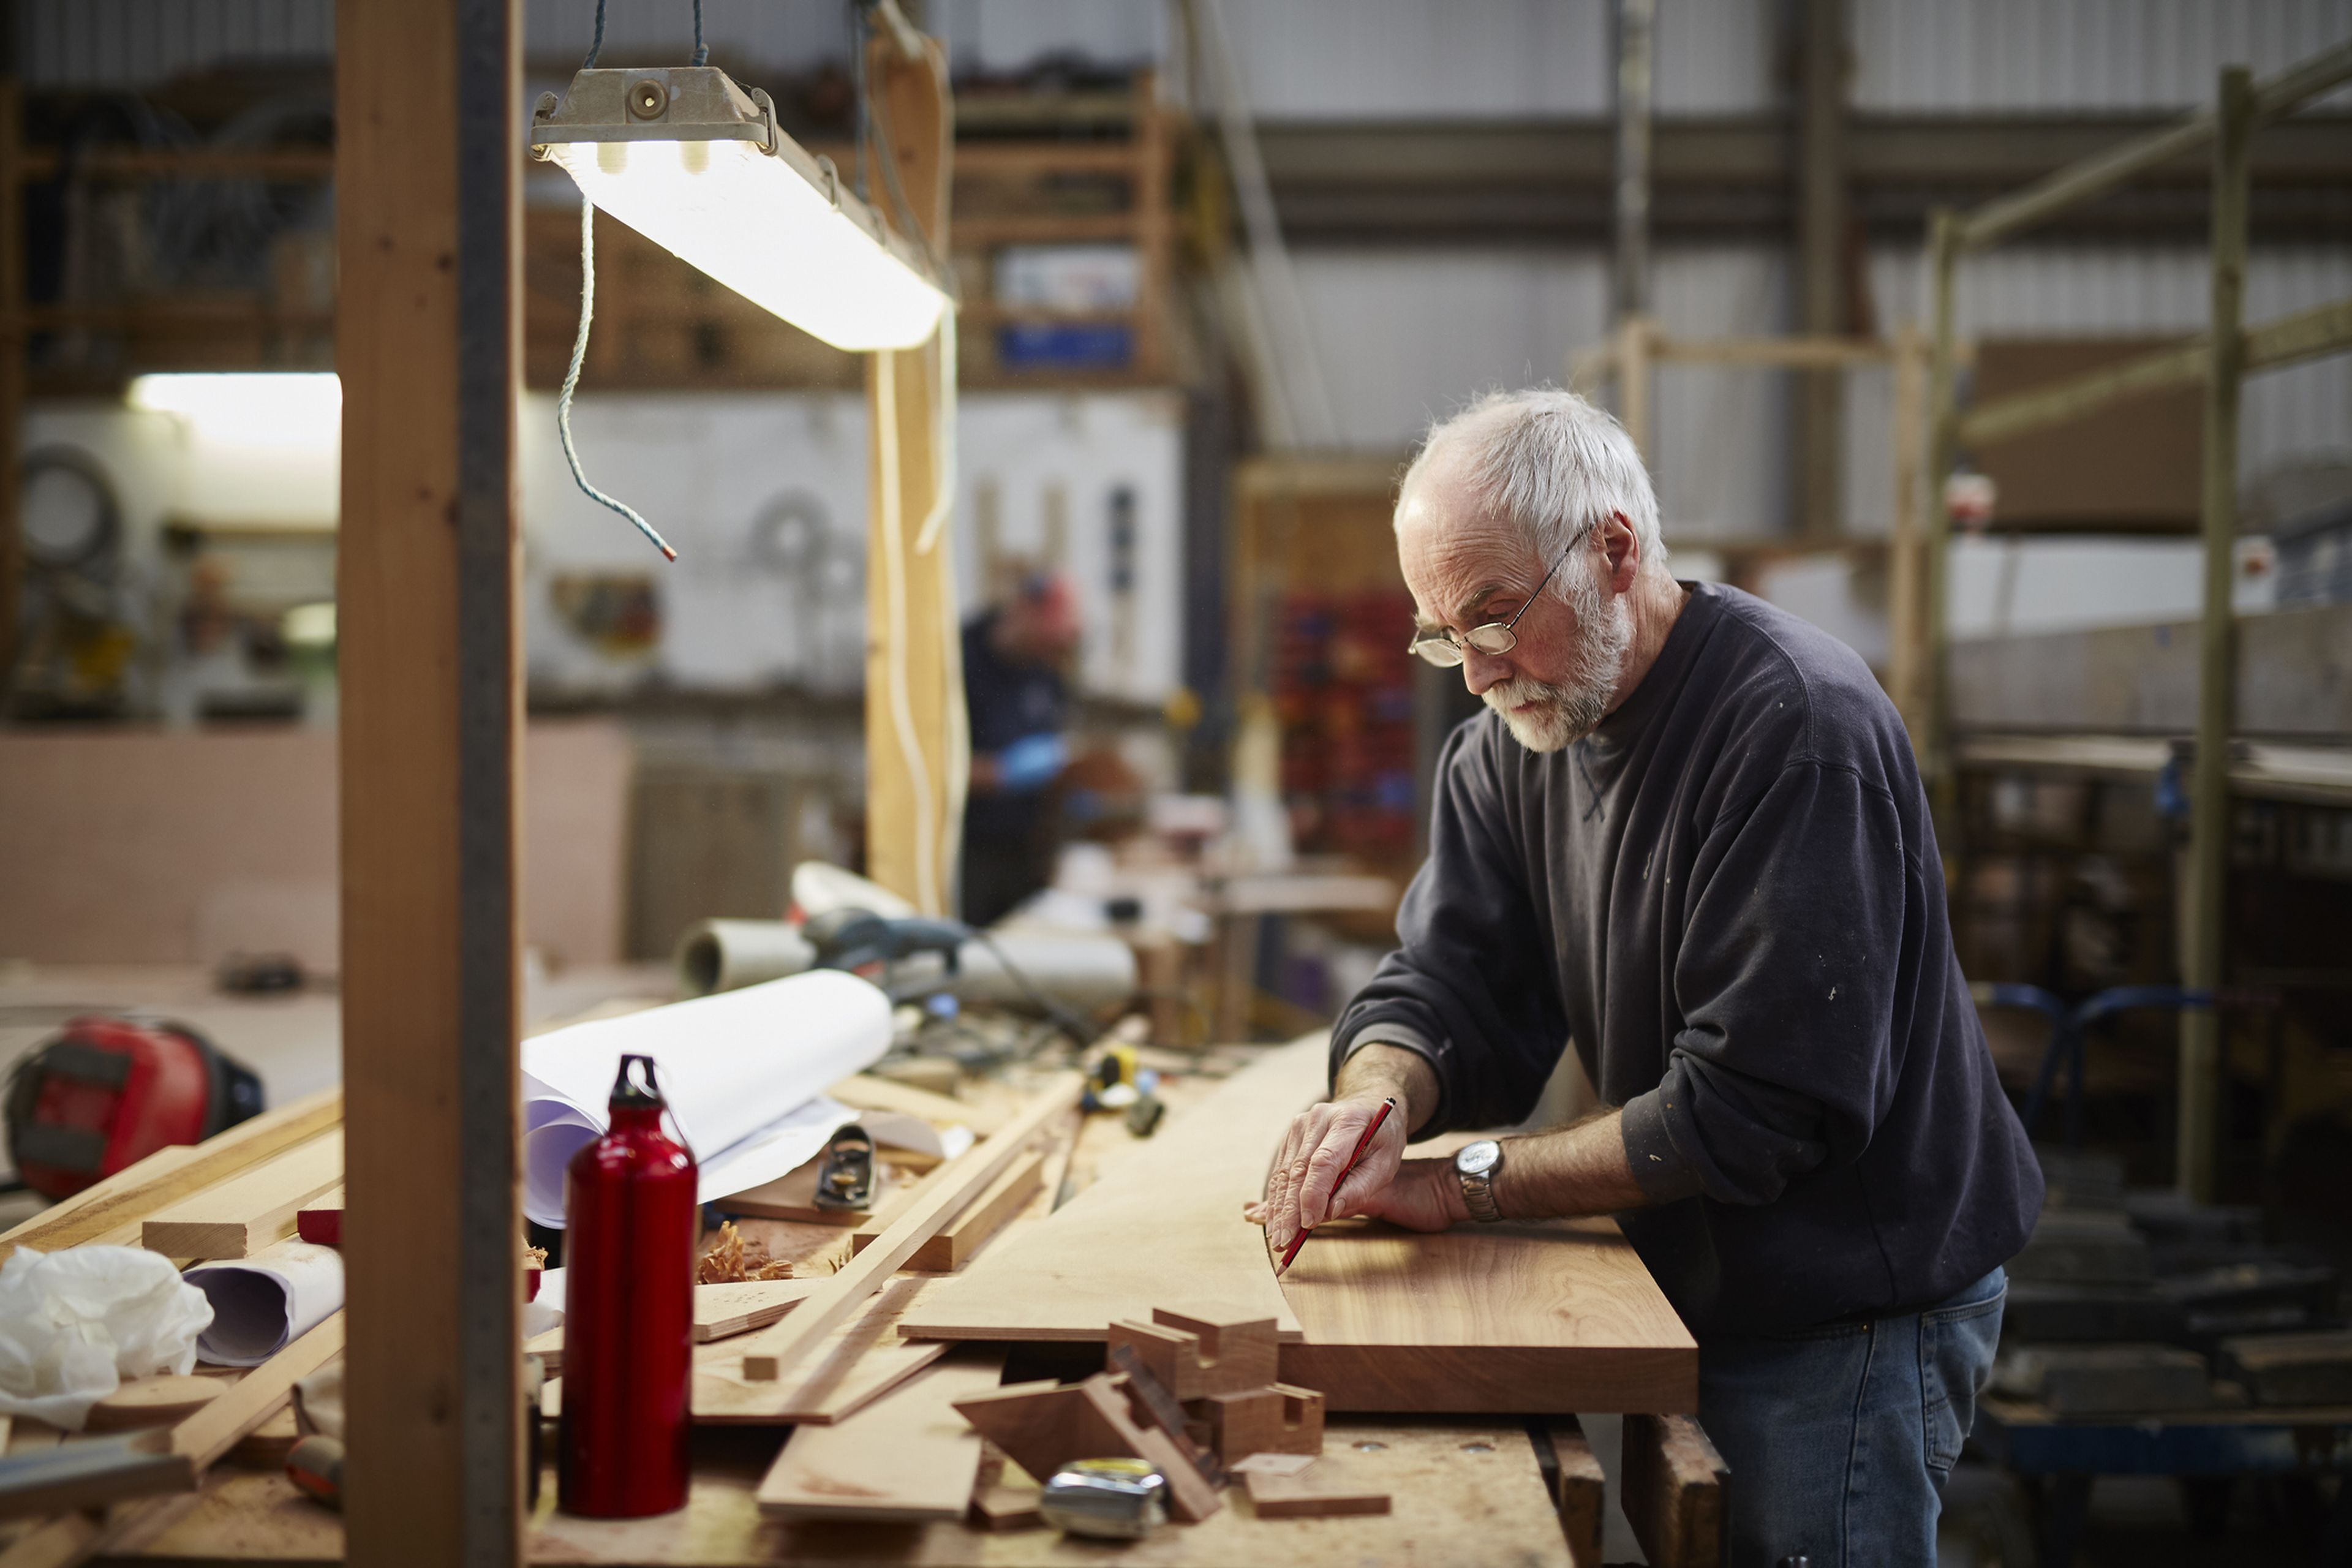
(1481, 670)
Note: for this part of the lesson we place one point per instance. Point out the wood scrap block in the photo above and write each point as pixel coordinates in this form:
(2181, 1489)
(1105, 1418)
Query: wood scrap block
(164, 1400)
(907, 1457)
(1007, 1496)
(1579, 1489)
(319, 1222)
(1673, 1482)
(1329, 1488)
(251, 1211)
(1044, 1425)
(1275, 1419)
(266, 1446)
(963, 1235)
(1196, 1357)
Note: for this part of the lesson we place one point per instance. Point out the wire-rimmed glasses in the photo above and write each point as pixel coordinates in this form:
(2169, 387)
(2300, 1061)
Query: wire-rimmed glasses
(1444, 649)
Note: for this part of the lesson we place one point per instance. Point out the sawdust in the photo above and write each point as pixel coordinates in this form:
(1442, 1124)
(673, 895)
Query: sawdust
(730, 1261)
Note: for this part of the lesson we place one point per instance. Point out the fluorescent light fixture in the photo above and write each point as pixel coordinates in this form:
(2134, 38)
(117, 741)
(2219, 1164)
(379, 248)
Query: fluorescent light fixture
(254, 411)
(689, 160)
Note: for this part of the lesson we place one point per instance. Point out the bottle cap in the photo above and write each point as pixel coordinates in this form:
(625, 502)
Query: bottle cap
(642, 1091)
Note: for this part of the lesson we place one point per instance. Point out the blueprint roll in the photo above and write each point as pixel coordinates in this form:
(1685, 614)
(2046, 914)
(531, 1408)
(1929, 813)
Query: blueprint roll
(744, 1072)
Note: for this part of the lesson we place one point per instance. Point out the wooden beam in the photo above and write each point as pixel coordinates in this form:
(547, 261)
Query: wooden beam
(1906, 565)
(428, 102)
(2203, 964)
(12, 369)
(916, 755)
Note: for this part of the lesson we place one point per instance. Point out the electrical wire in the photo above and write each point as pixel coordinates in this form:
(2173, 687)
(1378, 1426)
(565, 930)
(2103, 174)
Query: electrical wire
(580, 354)
(596, 44)
(701, 49)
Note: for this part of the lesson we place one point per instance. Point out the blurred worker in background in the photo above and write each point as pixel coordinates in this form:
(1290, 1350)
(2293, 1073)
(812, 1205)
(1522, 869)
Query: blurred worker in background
(1013, 654)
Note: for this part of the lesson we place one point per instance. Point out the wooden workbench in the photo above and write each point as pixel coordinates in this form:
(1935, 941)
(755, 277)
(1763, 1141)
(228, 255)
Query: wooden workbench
(1469, 1489)
(1463, 1493)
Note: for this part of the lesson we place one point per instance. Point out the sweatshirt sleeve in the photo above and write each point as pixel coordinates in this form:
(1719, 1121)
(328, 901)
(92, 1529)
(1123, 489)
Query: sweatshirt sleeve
(1470, 987)
(1787, 981)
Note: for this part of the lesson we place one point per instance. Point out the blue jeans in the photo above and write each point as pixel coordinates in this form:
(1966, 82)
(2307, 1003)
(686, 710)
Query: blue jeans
(1840, 1438)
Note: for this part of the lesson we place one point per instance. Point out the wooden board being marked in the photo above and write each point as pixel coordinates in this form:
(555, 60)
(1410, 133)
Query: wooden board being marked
(1480, 1320)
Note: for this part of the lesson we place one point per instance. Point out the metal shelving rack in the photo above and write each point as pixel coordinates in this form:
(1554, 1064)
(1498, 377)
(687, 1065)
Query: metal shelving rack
(2221, 358)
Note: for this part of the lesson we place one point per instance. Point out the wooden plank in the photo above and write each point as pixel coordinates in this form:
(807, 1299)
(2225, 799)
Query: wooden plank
(173, 1172)
(1166, 1232)
(905, 1458)
(427, 571)
(1487, 1319)
(720, 1312)
(979, 1220)
(857, 1363)
(249, 1212)
(1673, 1482)
(866, 1091)
(949, 1188)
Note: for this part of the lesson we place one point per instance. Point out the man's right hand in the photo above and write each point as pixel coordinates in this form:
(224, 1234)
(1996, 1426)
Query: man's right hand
(1303, 1187)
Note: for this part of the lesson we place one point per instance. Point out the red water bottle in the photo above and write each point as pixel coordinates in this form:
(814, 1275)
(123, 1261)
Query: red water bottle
(630, 1222)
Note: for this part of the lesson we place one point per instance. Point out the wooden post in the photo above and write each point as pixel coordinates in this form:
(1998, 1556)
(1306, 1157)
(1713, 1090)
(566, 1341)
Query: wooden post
(1674, 1491)
(427, 163)
(1634, 346)
(1821, 251)
(2209, 823)
(915, 753)
(1154, 233)
(12, 371)
(1943, 420)
(1905, 617)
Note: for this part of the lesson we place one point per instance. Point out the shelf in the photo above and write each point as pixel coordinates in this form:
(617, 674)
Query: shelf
(2307, 775)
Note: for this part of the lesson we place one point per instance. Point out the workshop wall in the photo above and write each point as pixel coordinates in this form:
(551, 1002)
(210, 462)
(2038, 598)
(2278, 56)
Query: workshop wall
(764, 496)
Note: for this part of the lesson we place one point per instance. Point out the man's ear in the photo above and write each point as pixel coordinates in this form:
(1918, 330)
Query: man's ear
(1625, 549)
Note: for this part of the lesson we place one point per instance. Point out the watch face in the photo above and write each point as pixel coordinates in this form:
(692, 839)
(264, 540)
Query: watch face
(1477, 1159)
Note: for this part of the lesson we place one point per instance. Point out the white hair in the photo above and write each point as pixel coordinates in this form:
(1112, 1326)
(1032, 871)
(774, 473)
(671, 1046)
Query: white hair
(1551, 462)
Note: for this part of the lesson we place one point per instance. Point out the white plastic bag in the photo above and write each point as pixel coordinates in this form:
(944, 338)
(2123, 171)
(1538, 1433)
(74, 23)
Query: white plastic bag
(75, 1324)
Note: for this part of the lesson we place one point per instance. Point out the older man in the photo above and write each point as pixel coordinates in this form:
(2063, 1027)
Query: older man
(1690, 839)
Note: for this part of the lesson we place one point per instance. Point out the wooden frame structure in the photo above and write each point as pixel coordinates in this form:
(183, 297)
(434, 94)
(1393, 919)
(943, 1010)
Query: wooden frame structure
(2221, 358)
(1638, 345)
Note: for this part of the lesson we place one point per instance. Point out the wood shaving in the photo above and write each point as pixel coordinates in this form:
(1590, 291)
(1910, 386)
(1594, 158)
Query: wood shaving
(731, 1261)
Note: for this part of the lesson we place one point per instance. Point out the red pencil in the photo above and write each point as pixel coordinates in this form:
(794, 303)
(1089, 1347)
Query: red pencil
(1362, 1144)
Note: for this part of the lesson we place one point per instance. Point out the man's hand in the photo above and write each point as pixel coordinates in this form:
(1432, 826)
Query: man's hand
(1303, 1187)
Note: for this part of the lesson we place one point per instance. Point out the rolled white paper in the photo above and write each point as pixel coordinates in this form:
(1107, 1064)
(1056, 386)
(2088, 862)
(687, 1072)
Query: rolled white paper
(263, 1303)
(744, 1073)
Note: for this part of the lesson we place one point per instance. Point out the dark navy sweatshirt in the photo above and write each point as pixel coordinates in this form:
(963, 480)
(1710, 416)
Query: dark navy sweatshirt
(1730, 898)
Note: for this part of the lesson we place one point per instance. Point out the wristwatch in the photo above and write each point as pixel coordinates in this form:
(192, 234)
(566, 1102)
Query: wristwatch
(1475, 1166)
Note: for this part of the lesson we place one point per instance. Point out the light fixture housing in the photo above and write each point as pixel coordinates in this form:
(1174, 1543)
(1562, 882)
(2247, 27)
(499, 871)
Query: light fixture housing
(696, 164)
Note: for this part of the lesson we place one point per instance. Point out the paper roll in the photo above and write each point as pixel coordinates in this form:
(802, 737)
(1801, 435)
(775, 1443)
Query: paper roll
(266, 1302)
(1076, 969)
(744, 1073)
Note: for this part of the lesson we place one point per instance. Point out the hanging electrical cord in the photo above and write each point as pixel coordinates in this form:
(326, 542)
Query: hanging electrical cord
(588, 317)
(701, 49)
(580, 354)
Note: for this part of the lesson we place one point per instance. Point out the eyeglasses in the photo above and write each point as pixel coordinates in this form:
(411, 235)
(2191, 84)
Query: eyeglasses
(1444, 650)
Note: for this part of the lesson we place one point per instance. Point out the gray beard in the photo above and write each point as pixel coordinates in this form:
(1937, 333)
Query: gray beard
(1564, 712)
